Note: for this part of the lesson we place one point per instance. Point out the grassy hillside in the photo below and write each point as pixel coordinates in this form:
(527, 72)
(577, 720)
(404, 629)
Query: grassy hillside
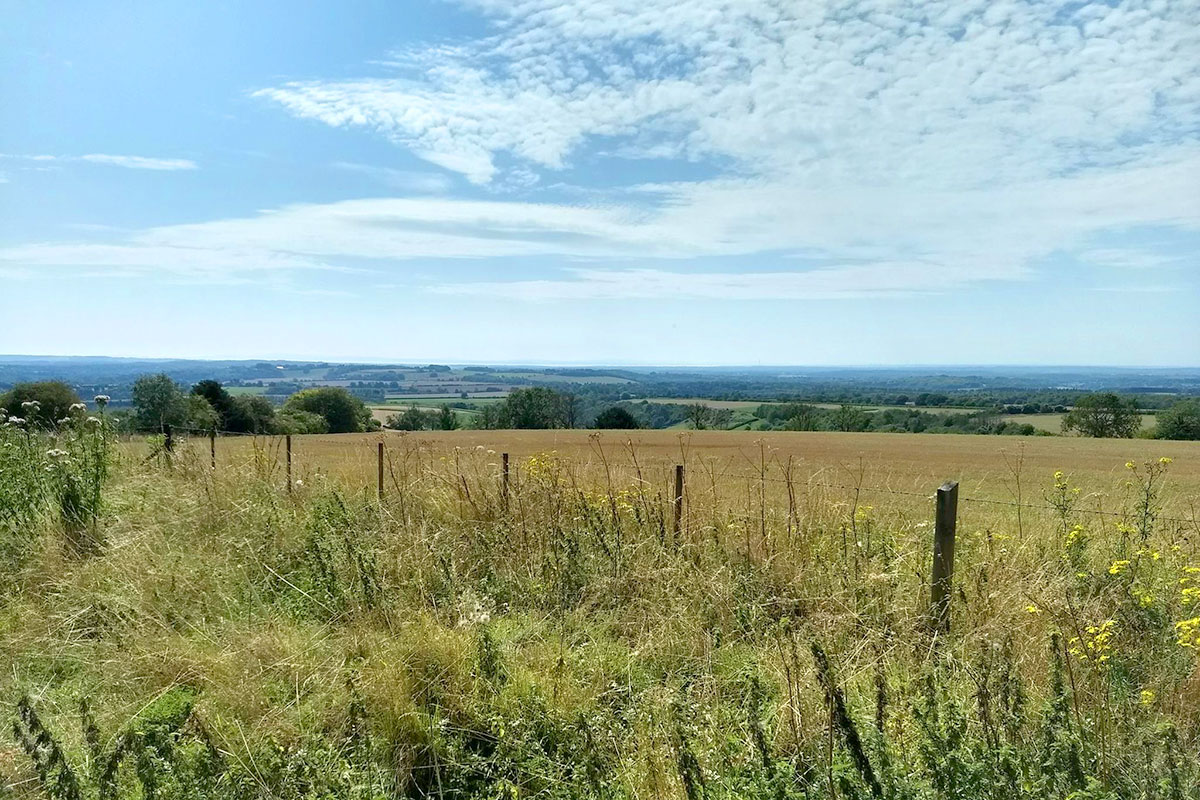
(229, 636)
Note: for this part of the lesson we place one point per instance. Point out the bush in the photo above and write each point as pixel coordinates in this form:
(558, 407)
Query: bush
(616, 418)
(296, 421)
(53, 398)
(342, 411)
(1180, 421)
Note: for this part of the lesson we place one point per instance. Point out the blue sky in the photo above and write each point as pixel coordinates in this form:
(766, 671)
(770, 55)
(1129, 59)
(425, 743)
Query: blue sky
(603, 181)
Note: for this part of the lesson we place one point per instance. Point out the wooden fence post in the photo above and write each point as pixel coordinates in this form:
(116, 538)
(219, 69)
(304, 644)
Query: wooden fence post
(289, 462)
(212, 447)
(504, 480)
(169, 440)
(943, 556)
(380, 471)
(677, 525)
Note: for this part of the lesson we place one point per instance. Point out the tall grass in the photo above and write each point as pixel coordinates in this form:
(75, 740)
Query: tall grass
(228, 638)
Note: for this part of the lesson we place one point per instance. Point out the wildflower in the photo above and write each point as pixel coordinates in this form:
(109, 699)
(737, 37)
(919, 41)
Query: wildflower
(299, 481)
(33, 405)
(77, 407)
(56, 454)
(64, 421)
(1118, 567)
(101, 400)
(1147, 697)
(1164, 461)
(1129, 465)
(16, 421)
(92, 421)
(1188, 632)
(1032, 609)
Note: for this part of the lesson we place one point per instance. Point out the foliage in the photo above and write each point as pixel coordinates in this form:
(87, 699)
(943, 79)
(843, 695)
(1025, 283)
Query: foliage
(158, 401)
(1103, 415)
(1180, 421)
(342, 411)
(41, 404)
(616, 417)
(412, 419)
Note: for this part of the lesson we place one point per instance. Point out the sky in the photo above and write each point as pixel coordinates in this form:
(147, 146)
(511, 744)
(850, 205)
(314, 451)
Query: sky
(681, 182)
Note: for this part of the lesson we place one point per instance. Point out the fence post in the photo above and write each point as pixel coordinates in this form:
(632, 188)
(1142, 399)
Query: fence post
(380, 471)
(289, 462)
(677, 524)
(168, 440)
(212, 447)
(943, 556)
(504, 480)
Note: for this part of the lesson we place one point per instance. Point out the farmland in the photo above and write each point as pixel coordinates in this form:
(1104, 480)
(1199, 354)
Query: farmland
(311, 638)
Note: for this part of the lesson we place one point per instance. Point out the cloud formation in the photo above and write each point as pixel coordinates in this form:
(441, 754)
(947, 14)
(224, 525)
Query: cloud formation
(108, 159)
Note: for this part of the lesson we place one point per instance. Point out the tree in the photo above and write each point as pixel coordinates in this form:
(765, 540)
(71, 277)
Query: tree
(200, 414)
(1103, 415)
(158, 401)
(447, 419)
(848, 418)
(222, 402)
(535, 407)
(412, 419)
(343, 412)
(1180, 421)
(296, 421)
(616, 418)
(253, 413)
(54, 400)
(698, 415)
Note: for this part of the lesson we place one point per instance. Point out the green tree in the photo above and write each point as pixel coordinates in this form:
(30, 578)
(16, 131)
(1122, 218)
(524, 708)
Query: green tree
(699, 414)
(447, 419)
(535, 407)
(1103, 415)
(411, 419)
(222, 402)
(616, 418)
(200, 414)
(54, 400)
(343, 412)
(158, 401)
(1180, 421)
(296, 421)
(253, 413)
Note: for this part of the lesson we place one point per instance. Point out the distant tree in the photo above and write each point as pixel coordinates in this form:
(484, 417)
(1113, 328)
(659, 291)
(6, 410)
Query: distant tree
(412, 419)
(571, 405)
(54, 400)
(222, 402)
(200, 414)
(698, 414)
(296, 421)
(803, 418)
(447, 419)
(534, 407)
(850, 418)
(616, 418)
(158, 401)
(252, 413)
(1103, 415)
(1180, 421)
(343, 412)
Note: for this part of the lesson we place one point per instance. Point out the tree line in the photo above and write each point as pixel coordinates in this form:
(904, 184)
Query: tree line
(158, 401)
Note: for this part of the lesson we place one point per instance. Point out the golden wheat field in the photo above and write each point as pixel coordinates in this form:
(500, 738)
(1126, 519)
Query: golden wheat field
(750, 470)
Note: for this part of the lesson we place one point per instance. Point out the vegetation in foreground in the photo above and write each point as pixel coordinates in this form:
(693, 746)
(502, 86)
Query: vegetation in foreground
(190, 634)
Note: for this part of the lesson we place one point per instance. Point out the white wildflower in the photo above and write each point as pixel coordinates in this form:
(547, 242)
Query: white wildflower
(31, 404)
(16, 421)
(101, 400)
(92, 420)
(77, 407)
(56, 454)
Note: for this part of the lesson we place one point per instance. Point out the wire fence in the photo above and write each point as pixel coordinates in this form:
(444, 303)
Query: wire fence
(763, 478)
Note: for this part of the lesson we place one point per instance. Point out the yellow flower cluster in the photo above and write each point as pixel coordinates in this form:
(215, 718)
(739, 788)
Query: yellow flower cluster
(1187, 632)
(1118, 567)
(1189, 590)
(1097, 643)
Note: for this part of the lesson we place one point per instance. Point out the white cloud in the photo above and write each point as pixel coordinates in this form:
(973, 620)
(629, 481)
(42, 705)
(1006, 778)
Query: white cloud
(944, 94)
(404, 180)
(139, 162)
(128, 162)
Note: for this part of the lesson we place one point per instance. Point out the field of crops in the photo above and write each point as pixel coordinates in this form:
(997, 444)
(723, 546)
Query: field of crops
(239, 632)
